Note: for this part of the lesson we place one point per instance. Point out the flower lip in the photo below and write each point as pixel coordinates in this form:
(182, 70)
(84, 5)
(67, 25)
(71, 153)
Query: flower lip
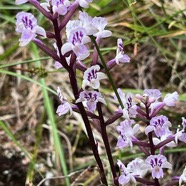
(156, 163)
(90, 99)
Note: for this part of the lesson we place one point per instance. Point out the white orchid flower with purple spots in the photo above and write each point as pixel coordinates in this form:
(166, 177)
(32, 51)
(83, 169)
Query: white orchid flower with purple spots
(136, 167)
(76, 43)
(130, 107)
(125, 176)
(64, 107)
(121, 57)
(19, 2)
(159, 124)
(90, 99)
(156, 163)
(182, 177)
(100, 23)
(58, 6)
(127, 133)
(84, 3)
(92, 76)
(26, 24)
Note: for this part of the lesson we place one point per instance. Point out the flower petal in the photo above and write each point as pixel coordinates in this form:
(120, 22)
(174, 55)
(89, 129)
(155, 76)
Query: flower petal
(66, 48)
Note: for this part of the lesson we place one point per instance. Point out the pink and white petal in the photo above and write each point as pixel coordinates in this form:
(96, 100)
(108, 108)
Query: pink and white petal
(121, 143)
(41, 31)
(101, 75)
(101, 99)
(170, 99)
(149, 129)
(136, 128)
(105, 33)
(156, 141)
(80, 100)
(18, 2)
(167, 124)
(26, 37)
(123, 58)
(91, 106)
(86, 39)
(45, 6)
(157, 172)
(182, 137)
(166, 165)
(123, 179)
(85, 83)
(61, 10)
(61, 110)
(67, 3)
(66, 48)
(83, 4)
(126, 113)
(95, 84)
(81, 52)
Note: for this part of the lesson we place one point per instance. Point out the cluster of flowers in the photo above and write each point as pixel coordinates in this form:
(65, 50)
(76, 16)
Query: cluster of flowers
(146, 107)
(70, 56)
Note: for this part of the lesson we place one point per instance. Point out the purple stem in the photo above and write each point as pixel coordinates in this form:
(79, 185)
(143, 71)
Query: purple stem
(81, 108)
(80, 66)
(113, 118)
(144, 181)
(45, 49)
(50, 35)
(141, 143)
(90, 114)
(161, 144)
(111, 64)
(146, 152)
(59, 44)
(106, 143)
(73, 82)
(67, 17)
(174, 182)
(41, 9)
(152, 147)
